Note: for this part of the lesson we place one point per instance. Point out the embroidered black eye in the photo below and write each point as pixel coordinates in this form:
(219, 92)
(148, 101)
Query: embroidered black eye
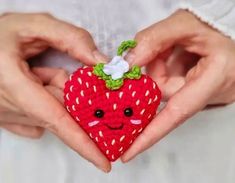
(99, 113)
(128, 112)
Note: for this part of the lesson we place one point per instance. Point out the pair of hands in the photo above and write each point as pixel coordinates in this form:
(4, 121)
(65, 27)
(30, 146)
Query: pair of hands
(191, 62)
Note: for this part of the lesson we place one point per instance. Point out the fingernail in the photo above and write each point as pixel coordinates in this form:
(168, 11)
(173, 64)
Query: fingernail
(101, 58)
(130, 58)
(103, 169)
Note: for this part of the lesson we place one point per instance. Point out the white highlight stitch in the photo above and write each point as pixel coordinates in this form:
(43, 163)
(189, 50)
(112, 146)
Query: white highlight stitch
(73, 107)
(140, 130)
(155, 99)
(82, 93)
(89, 74)
(100, 134)
(107, 95)
(133, 93)
(147, 93)
(89, 102)
(122, 138)
(80, 81)
(113, 142)
(114, 106)
(87, 84)
(150, 101)
(120, 95)
(94, 88)
(77, 100)
(71, 88)
(67, 96)
(137, 102)
(142, 112)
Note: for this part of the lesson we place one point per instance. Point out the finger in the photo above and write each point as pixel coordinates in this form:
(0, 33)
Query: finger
(51, 76)
(63, 36)
(56, 92)
(160, 37)
(187, 101)
(168, 84)
(41, 105)
(23, 130)
(8, 117)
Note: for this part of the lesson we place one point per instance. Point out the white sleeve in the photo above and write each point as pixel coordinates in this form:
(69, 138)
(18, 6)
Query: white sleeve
(220, 14)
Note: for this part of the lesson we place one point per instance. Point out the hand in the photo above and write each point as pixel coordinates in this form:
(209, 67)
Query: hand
(25, 100)
(194, 67)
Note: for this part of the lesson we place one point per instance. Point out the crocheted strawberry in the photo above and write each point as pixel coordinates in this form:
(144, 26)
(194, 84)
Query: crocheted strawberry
(112, 108)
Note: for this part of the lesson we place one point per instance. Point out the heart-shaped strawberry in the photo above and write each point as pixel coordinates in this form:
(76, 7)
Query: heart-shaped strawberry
(112, 112)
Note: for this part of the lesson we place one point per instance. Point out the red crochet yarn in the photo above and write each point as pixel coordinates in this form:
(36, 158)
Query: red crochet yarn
(112, 118)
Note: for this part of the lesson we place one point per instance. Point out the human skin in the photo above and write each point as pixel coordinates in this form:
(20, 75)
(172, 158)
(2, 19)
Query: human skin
(193, 65)
(30, 98)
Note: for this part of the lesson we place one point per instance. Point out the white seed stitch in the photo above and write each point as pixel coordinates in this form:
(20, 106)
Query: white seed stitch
(107, 95)
(94, 88)
(129, 87)
(67, 96)
(81, 71)
(150, 101)
(100, 134)
(70, 77)
(107, 152)
(67, 107)
(145, 80)
(120, 149)
(140, 130)
(114, 106)
(89, 102)
(146, 93)
(89, 74)
(137, 102)
(85, 66)
(77, 118)
(133, 132)
(113, 142)
(131, 142)
(154, 85)
(77, 100)
(142, 112)
(150, 115)
(80, 81)
(71, 88)
(133, 93)
(87, 84)
(82, 93)
(90, 135)
(73, 107)
(105, 144)
(120, 95)
(112, 156)
(122, 138)
(155, 99)
(96, 139)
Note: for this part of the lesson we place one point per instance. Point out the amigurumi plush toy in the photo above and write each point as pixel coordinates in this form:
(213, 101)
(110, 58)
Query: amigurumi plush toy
(112, 102)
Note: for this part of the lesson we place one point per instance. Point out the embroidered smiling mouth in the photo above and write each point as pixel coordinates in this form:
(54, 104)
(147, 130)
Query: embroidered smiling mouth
(115, 127)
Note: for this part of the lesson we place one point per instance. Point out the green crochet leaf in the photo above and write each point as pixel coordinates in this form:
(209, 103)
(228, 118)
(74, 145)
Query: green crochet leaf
(134, 73)
(126, 45)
